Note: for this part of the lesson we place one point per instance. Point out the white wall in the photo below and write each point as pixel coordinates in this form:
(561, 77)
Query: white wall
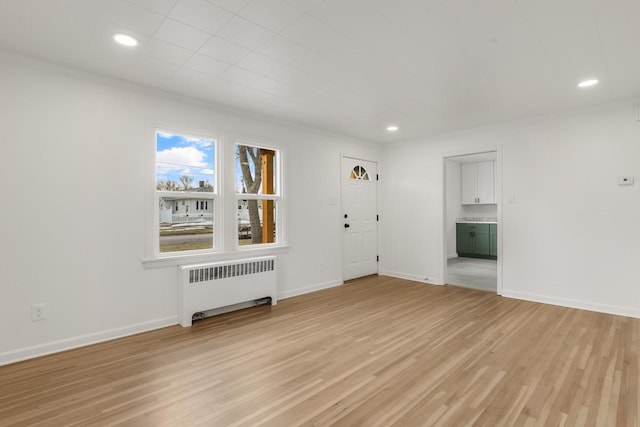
(453, 200)
(72, 144)
(571, 236)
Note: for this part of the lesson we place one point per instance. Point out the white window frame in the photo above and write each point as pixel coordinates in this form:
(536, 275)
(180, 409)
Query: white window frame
(280, 237)
(214, 196)
(224, 198)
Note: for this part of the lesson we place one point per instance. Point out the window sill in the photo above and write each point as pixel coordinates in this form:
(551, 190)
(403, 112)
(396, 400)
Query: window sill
(174, 261)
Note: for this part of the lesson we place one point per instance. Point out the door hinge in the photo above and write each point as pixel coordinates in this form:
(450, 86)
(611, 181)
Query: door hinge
(377, 217)
(377, 258)
(377, 177)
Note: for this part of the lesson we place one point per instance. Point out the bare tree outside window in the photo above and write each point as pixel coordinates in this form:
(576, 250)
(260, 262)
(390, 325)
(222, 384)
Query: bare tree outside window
(251, 184)
(255, 168)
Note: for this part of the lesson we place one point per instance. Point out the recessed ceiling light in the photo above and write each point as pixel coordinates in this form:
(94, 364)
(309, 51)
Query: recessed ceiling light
(392, 128)
(588, 83)
(125, 40)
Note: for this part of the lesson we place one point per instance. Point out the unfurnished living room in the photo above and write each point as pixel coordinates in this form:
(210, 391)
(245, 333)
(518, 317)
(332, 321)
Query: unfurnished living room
(319, 213)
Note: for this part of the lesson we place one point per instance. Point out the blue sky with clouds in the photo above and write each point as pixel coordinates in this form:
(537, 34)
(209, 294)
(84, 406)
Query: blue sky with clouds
(178, 155)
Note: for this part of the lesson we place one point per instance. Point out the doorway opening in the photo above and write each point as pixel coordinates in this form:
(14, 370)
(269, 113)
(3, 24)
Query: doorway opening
(471, 187)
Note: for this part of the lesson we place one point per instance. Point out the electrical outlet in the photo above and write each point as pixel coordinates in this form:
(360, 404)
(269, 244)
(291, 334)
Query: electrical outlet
(38, 312)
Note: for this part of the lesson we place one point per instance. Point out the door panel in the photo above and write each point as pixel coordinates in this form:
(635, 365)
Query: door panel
(359, 204)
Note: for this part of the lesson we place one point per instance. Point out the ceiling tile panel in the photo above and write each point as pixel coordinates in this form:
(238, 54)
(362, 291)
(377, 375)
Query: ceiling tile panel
(206, 65)
(272, 14)
(152, 66)
(200, 14)
(304, 5)
(245, 33)
(17, 7)
(563, 18)
(163, 7)
(241, 76)
(224, 50)
(91, 7)
(132, 17)
(182, 35)
(258, 63)
(613, 12)
(297, 78)
(160, 49)
(231, 5)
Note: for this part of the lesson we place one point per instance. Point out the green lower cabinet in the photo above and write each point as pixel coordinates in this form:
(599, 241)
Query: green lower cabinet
(464, 239)
(476, 240)
(493, 237)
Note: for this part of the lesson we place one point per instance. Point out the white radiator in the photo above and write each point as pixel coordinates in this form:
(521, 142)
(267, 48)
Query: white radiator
(203, 287)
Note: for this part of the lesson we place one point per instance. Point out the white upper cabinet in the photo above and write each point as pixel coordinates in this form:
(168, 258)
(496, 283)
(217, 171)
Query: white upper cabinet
(478, 183)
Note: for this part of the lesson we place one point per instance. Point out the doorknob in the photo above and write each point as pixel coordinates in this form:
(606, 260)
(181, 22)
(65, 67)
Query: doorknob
(347, 226)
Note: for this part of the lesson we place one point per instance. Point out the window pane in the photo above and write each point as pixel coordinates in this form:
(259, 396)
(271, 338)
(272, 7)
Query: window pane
(184, 163)
(252, 215)
(183, 227)
(255, 170)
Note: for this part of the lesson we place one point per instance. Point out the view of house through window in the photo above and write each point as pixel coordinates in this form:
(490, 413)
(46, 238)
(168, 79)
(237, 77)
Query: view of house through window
(257, 194)
(185, 191)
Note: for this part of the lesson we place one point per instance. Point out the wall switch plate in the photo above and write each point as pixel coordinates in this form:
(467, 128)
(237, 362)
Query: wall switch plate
(626, 180)
(38, 312)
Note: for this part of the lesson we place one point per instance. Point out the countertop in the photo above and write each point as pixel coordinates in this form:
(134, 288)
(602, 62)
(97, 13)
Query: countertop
(476, 220)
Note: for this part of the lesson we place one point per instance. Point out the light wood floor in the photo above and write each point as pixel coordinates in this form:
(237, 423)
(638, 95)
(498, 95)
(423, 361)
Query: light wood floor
(374, 352)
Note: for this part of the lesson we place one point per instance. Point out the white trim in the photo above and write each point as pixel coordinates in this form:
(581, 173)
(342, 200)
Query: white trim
(309, 289)
(199, 258)
(216, 196)
(83, 340)
(112, 334)
(277, 197)
(571, 303)
(412, 277)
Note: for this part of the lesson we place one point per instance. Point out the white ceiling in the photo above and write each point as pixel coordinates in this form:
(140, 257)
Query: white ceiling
(350, 66)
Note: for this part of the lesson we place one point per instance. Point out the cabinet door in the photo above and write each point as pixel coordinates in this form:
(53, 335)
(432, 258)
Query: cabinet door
(469, 183)
(493, 239)
(485, 182)
(464, 242)
(481, 241)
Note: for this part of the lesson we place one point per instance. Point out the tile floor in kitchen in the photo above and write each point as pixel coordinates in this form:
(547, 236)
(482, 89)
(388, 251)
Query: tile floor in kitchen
(473, 273)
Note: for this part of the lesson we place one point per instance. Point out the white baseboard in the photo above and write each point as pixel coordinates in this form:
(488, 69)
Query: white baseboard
(83, 340)
(308, 289)
(571, 303)
(453, 255)
(414, 278)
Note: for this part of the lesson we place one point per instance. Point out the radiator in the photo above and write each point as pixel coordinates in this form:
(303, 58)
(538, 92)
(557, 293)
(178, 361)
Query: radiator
(203, 287)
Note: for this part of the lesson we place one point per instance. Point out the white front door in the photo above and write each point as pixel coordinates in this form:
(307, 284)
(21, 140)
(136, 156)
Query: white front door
(359, 215)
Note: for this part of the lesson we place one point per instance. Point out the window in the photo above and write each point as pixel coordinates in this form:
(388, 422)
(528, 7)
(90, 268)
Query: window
(194, 197)
(360, 173)
(257, 194)
(185, 192)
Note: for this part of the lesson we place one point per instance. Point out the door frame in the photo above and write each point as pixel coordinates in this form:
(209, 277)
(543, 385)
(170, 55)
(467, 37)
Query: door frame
(498, 183)
(342, 251)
